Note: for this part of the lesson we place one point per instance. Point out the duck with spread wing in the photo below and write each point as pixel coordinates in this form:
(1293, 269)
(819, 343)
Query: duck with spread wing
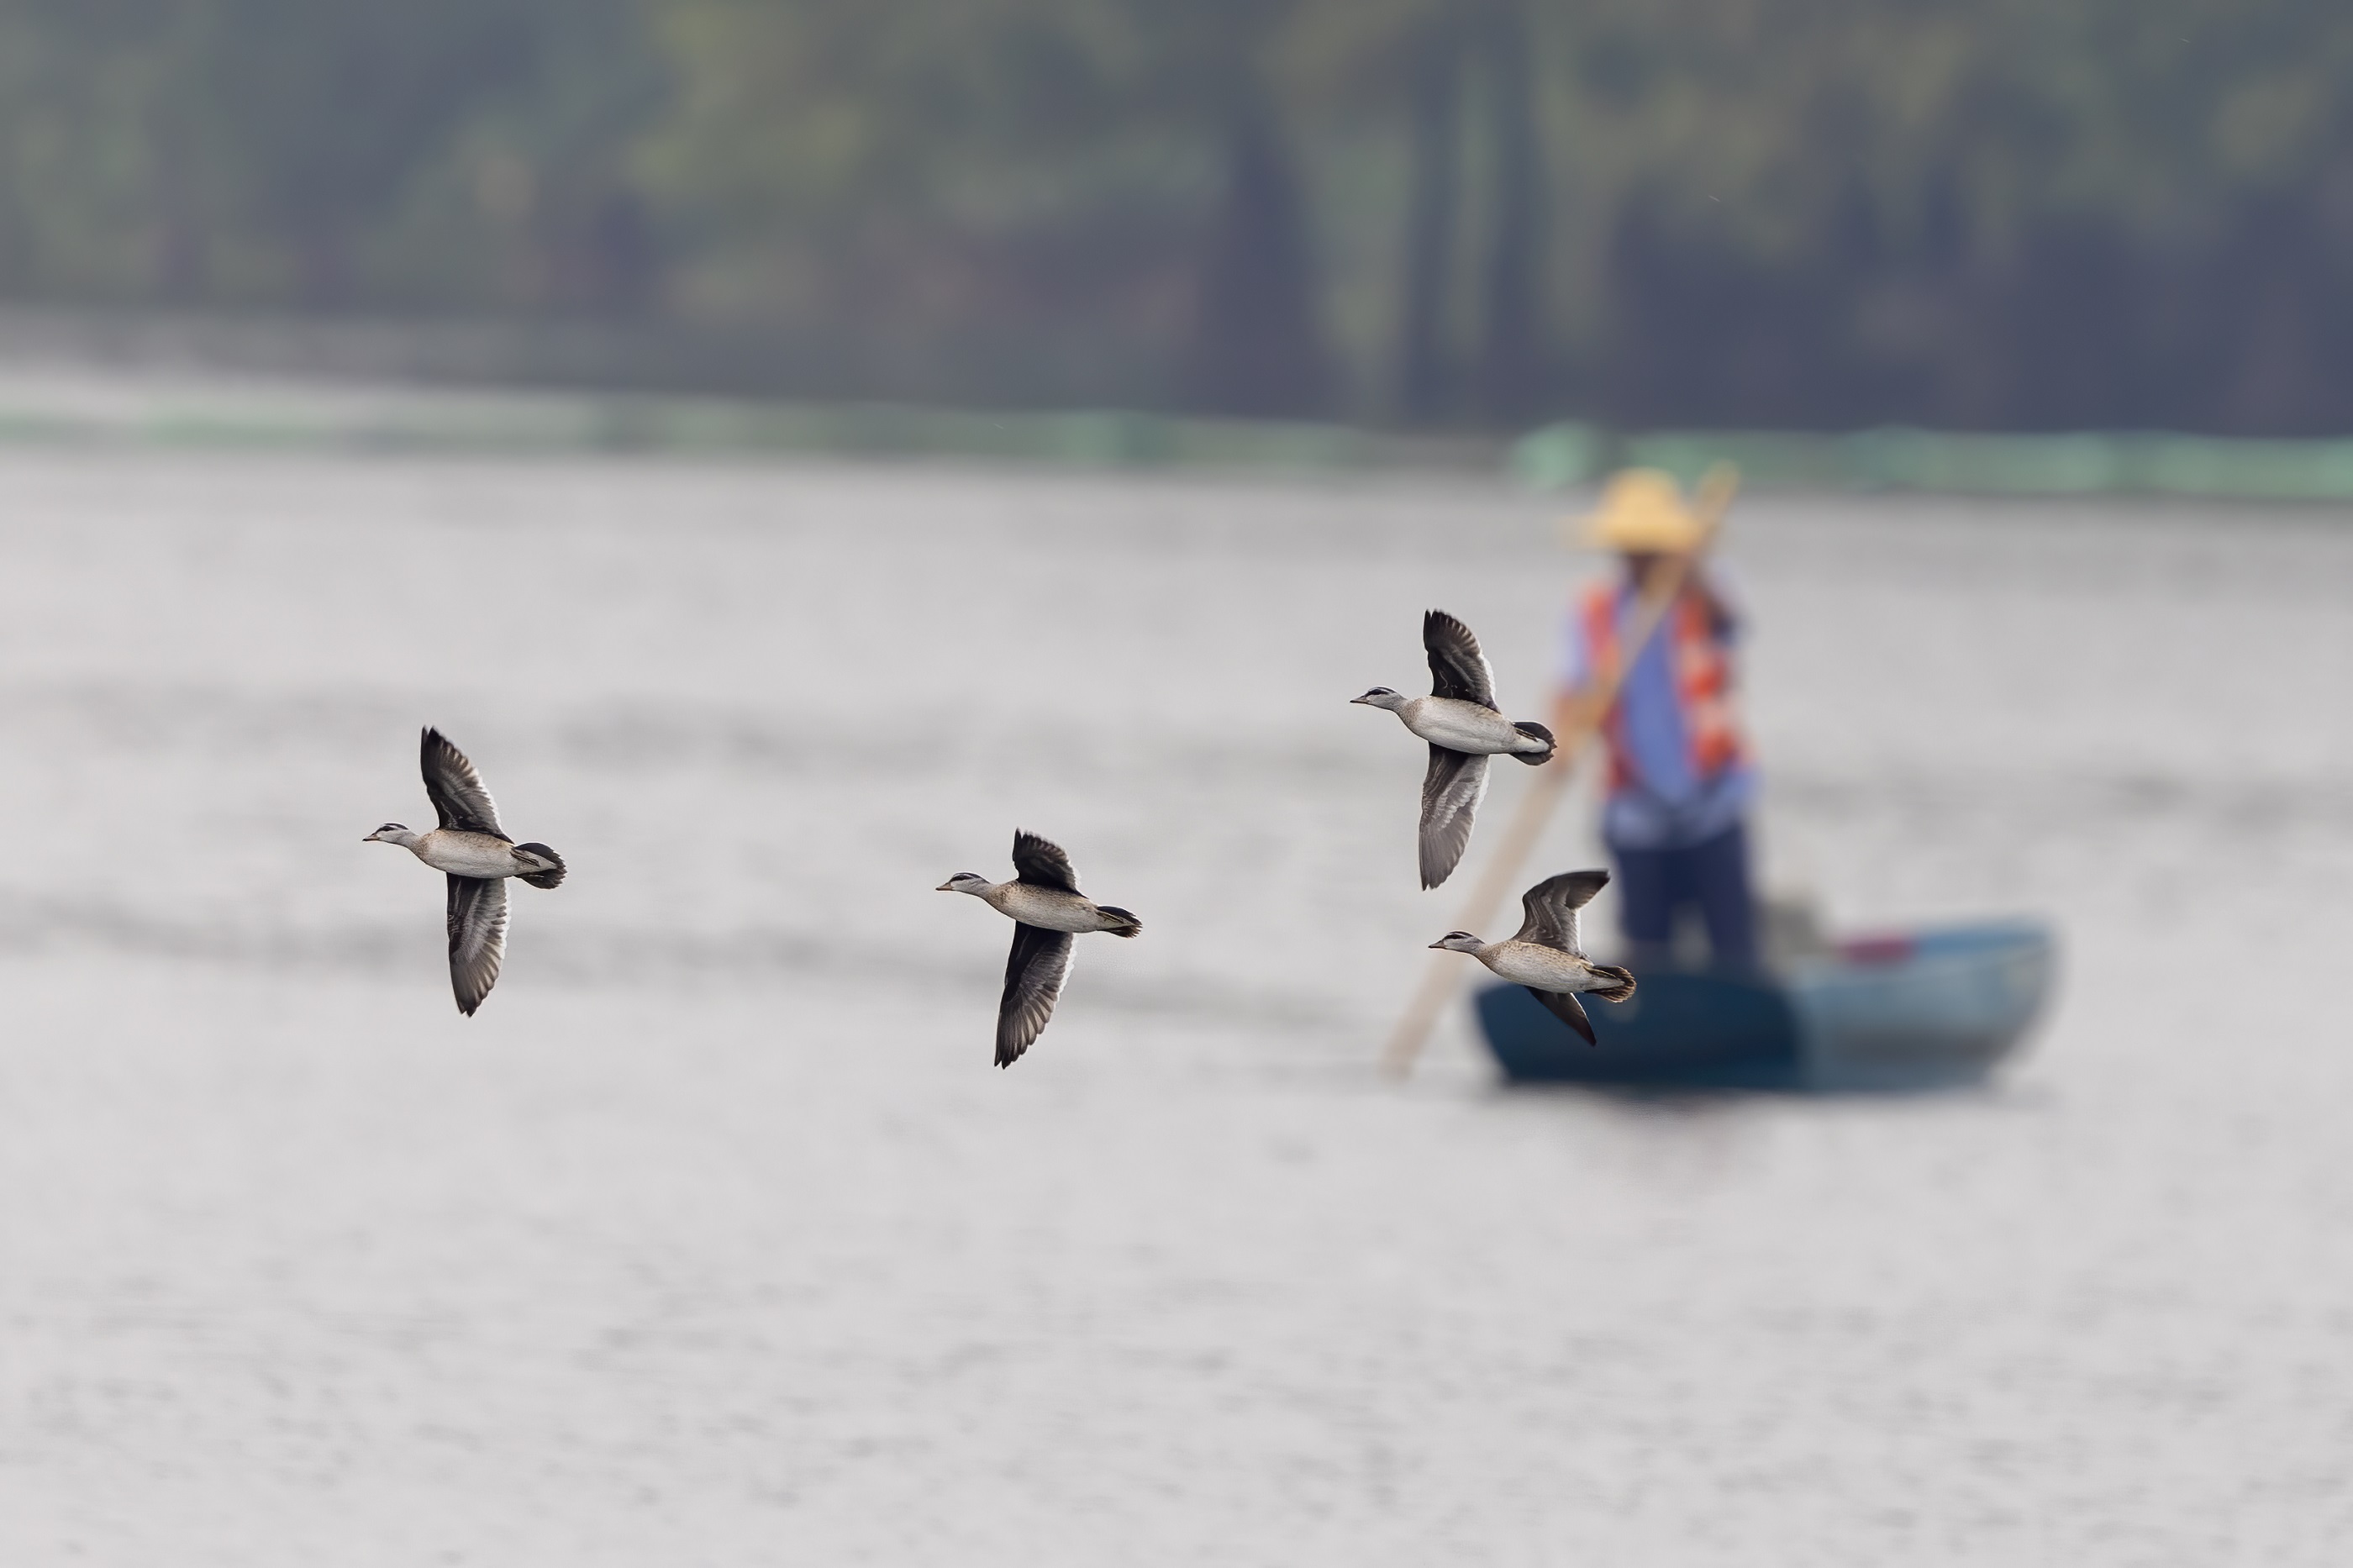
(1465, 725)
(478, 856)
(1048, 911)
(1544, 956)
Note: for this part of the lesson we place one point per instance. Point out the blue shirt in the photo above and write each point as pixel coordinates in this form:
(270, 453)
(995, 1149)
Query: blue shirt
(1667, 805)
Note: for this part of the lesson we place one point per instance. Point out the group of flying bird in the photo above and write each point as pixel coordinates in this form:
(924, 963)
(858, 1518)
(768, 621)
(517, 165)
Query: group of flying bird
(1459, 719)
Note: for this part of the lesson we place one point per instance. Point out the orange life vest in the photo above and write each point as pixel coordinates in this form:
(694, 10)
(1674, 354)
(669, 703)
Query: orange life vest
(1702, 680)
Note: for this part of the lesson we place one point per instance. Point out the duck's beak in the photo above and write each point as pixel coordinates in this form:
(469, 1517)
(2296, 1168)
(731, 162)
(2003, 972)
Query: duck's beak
(945, 887)
(1439, 942)
(1354, 700)
(369, 839)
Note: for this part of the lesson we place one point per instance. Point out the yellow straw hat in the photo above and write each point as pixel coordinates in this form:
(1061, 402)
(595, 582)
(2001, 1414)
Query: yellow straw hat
(1643, 511)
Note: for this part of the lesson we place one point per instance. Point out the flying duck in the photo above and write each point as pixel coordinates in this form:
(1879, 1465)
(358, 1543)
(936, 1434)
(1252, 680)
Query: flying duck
(1464, 728)
(1047, 909)
(471, 846)
(1545, 957)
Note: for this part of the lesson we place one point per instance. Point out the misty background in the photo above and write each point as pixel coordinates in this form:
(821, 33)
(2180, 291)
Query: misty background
(1990, 214)
(715, 1237)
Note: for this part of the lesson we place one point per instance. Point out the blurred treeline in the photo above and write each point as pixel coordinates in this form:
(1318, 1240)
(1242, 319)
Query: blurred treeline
(2021, 214)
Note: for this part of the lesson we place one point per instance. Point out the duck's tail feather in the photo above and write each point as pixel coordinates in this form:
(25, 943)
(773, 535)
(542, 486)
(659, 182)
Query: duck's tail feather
(1534, 730)
(1129, 925)
(1620, 991)
(547, 878)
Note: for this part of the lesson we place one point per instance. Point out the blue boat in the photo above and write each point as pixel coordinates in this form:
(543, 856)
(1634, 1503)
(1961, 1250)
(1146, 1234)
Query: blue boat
(1922, 1010)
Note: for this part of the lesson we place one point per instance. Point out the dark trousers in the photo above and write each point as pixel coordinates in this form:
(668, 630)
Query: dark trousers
(1654, 884)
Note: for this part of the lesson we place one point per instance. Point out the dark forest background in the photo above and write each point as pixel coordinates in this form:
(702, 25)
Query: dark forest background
(1804, 214)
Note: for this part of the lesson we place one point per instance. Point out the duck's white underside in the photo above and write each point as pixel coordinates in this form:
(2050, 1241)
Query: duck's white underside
(1460, 726)
(1545, 968)
(466, 854)
(1047, 906)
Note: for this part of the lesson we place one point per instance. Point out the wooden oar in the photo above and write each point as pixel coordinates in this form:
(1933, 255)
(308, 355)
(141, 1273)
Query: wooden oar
(1501, 871)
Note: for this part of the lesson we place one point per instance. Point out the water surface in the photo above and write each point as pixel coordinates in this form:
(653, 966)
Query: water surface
(716, 1240)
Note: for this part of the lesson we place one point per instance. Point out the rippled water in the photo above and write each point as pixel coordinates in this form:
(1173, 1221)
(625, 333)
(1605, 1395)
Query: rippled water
(715, 1238)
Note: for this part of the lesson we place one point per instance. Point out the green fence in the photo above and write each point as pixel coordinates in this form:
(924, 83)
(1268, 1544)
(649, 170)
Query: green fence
(154, 412)
(213, 411)
(1899, 458)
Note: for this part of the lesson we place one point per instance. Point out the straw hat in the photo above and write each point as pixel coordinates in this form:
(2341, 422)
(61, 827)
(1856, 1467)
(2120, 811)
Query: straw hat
(1643, 511)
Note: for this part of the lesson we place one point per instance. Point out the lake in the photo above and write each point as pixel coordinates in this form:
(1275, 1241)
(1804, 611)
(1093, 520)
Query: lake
(716, 1238)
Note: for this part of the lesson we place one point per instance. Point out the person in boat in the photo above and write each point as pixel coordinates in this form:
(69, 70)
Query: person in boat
(1680, 780)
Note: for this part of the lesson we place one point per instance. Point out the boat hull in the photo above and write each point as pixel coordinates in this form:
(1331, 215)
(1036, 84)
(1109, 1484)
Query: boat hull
(1925, 1010)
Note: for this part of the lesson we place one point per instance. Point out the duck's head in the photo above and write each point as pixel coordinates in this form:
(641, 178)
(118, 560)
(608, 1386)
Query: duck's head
(391, 833)
(1380, 697)
(1459, 942)
(965, 882)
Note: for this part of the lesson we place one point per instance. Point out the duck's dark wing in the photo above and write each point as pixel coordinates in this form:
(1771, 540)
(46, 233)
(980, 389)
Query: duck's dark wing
(456, 789)
(1457, 667)
(1034, 973)
(1552, 905)
(1042, 864)
(1451, 793)
(1563, 1005)
(477, 937)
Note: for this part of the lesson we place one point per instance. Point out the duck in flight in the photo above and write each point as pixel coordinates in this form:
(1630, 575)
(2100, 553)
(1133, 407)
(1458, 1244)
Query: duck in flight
(1545, 957)
(1048, 911)
(1464, 727)
(478, 857)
